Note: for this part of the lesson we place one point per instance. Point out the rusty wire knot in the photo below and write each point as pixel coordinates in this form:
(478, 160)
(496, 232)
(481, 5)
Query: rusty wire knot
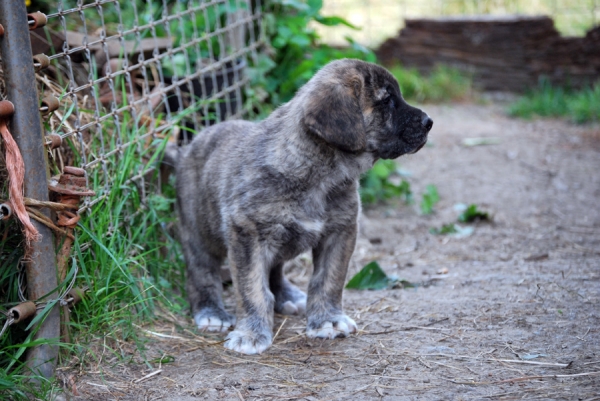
(71, 186)
(67, 219)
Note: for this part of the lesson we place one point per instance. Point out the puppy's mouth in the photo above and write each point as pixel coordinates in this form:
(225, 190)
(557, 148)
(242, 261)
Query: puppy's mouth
(418, 147)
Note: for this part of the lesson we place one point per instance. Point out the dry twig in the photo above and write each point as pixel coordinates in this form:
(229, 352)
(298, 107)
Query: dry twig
(528, 378)
(149, 375)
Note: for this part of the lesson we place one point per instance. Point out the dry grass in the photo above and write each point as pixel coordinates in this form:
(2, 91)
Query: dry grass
(298, 368)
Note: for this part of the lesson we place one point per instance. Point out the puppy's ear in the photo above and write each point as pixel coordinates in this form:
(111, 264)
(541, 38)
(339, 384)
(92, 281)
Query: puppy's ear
(334, 113)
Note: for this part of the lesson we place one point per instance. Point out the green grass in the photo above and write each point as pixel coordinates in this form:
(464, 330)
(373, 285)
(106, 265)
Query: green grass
(383, 182)
(442, 85)
(124, 253)
(579, 106)
(125, 250)
(12, 385)
(15, 340)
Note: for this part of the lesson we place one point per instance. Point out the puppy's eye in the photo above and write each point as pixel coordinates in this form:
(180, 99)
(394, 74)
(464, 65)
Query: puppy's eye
(389, 98)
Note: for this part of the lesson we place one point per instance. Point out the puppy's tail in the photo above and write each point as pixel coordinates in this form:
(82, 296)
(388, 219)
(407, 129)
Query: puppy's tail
(171, 155)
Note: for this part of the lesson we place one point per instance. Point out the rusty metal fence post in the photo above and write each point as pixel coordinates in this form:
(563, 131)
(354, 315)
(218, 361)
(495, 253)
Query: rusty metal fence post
(26, 127)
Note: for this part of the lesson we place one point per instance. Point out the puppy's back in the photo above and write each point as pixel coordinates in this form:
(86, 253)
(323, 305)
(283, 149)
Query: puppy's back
(204, 172)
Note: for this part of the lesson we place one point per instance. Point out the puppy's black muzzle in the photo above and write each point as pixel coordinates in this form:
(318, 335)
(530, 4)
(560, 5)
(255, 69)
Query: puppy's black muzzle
(427, 123)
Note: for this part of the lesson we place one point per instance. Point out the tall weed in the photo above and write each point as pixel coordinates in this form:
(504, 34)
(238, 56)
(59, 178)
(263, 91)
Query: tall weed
(579, 106)
(126, 252)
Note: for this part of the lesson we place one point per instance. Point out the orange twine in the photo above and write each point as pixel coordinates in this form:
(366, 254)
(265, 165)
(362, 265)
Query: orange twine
(16, 177)
(66, 218)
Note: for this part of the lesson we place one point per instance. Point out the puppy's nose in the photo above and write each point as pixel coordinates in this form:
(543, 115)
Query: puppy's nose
(427, 122)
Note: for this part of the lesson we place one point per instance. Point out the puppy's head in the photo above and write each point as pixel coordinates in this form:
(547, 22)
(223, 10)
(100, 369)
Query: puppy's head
(357, 107)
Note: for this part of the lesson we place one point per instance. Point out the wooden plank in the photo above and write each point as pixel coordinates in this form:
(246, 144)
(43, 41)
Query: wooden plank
(510, 52)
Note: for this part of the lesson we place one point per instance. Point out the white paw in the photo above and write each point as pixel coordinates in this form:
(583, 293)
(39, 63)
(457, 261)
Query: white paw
(340, 326)
(213, 323)
(293, 308)
(247, 342)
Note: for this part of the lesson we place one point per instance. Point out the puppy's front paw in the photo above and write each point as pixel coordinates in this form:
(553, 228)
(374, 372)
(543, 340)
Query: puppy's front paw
(248, 342)
(214, 320)
(336, 326)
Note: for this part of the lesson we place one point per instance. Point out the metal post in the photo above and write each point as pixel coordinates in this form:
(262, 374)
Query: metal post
(26, 128)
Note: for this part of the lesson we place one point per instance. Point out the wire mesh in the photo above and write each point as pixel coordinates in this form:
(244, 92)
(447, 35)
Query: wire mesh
(381, 19)
(165, 67)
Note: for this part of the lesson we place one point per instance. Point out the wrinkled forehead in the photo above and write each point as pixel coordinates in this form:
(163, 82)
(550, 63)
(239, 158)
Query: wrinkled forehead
(383, 78)
(374, 77)
(379, 82)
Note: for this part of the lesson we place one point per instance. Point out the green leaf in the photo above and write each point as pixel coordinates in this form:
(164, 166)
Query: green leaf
(40, 316)
(298, 5)
(449, 228)
(5, 384)
(453, 230)
(403, 284)
(382, 182)
(382, 170)
(430, 198)
(163, 359)
(315, 6)
(370, 277)
(365, 51)
(301, 40)
(334, 21)
(472, 214)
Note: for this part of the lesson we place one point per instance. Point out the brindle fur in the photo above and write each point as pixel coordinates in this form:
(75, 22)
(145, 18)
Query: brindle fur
(260, 194)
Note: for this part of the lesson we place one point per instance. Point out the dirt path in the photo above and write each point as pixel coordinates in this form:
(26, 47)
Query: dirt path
(519, 302)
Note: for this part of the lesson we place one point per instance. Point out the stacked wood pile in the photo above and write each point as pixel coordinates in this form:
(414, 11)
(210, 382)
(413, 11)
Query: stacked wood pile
(503, 53)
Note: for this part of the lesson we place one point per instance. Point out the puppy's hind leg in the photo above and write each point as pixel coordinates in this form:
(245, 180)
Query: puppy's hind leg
(205, 288)
(289, 299)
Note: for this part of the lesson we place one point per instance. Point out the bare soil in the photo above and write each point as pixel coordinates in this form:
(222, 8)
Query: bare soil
(509, 312)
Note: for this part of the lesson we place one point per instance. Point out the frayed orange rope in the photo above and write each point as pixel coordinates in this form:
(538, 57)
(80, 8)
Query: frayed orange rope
(16, 177)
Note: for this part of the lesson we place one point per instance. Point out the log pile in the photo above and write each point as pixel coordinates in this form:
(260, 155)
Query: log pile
(503, 53)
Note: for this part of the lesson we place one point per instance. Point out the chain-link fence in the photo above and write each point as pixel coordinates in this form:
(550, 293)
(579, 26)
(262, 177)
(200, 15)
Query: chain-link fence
(118, 80)
(156, 64)
(381, 19)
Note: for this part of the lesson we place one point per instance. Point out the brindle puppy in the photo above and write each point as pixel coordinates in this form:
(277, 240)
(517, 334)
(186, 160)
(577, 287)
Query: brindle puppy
(261, 193)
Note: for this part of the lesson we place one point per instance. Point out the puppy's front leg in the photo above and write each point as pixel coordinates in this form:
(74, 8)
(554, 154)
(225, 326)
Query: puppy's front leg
(324, 308)
(250, 268)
